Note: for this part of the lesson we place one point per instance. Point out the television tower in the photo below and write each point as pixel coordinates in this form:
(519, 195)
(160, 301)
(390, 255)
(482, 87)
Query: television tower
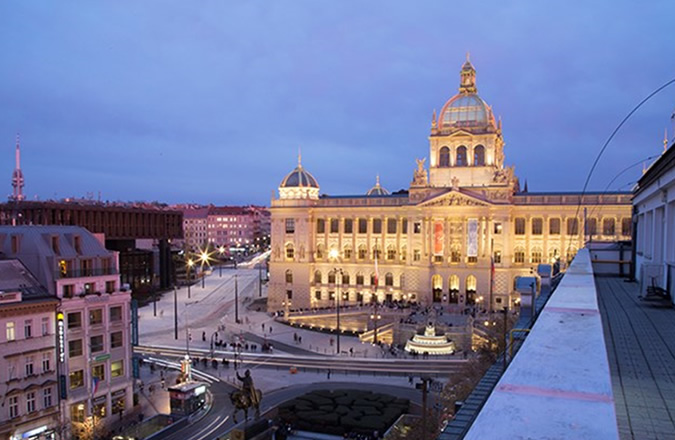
(17, 175)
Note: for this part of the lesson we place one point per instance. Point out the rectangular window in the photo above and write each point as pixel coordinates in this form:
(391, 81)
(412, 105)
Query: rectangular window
(95, 316)
(76, 379)
(472, 260)
(30, 402)
(377, 226)
(115, 314)
(68, 290)
(591, 226)
(317, 295)
(117, 369)
(572, 226)
(290, 225)
(86, 268)
(75, 348)
(89, 288)
(349, 226)
(96, 343)
(13, 405)
(498, 257)
(46, 398)
(15, 244)
(10, 332)
(363, 226)
(98, 371)
(404, 226)
(28, 328)
(77, 412)
(99, 409)
(498, 228)
(109, 287)
(608, 226)
(289, 294)
(320, 226)
(46, 362)
(29, 366)
(520, 226)
(45, 326)
(626, 226)
(417, 227)
(554, 226)
(334, 226)
(417, 255)
(537, 226)
(391, 226)
(116, 339)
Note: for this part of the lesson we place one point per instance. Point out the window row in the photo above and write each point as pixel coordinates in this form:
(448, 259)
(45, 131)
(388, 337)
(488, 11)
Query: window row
(537, 255)
(572, 226)
(32, 366)
(98, 374)
(32, 401)
(391, 224)
(78, 411)
(362, 252)
(461, 157)
(346, 279)
(68, 290)
(95, 317)
(96, 344)
(453, 293)
(12, 332)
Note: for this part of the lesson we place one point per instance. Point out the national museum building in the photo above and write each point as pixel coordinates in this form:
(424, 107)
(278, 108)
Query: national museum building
(460, 235)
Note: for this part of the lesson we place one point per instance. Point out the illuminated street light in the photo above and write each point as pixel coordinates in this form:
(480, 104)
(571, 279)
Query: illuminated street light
(221, 251)
(190, 262)
(335, 256)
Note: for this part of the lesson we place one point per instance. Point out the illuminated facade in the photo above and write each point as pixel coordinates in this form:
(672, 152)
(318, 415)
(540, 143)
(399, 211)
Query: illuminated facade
(459, 236)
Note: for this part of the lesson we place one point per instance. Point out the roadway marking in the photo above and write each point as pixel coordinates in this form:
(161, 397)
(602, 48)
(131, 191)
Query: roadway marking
(215, 428)
(556, 394)
(198, 434)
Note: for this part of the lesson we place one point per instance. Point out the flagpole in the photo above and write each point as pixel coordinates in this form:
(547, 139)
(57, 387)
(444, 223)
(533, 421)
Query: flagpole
(492, 272)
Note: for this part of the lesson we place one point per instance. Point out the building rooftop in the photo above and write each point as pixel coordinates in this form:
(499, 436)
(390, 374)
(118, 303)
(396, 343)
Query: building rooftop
(15, 277)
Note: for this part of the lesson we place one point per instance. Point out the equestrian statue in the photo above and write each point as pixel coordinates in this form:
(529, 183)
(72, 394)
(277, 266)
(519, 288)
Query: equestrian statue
(247, 397)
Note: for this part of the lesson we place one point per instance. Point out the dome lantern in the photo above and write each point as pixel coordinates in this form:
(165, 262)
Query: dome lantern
(377, 190)
(299, 184)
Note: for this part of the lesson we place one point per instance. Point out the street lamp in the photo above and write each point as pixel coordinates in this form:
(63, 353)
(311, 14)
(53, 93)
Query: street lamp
(187, 326)
(335, 255)
(190, 263)
(204, 258)
(221, 251)
(375, 317)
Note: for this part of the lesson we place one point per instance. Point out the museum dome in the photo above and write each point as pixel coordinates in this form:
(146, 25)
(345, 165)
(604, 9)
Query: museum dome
(377, 190)
(466, 109)
(299, 177)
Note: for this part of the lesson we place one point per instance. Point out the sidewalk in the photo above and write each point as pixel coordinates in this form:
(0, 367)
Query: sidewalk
(640, 342)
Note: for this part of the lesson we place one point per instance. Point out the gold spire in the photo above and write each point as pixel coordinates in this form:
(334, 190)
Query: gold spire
(433, 119)
(468, 60)
(377, 180)
(299, 158)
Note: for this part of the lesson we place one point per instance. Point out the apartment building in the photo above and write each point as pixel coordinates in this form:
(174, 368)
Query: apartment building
(28, 381)
(93, 343)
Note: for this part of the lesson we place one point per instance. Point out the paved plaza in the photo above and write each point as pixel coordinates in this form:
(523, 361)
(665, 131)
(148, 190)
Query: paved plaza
(640, 343)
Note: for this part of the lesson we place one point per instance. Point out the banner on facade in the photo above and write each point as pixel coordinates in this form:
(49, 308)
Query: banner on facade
(472, 238)
(439, 238)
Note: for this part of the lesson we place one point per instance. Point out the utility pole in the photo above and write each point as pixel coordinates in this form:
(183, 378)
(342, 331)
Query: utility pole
(506, 312)
(236, 299)
(175, 312)
(260, 279)
(424, 386)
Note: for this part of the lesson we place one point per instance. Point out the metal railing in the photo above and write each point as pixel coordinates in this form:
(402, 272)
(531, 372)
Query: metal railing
(83, 273)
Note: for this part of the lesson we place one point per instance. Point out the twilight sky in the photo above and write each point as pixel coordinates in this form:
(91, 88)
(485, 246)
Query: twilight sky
(208, 101)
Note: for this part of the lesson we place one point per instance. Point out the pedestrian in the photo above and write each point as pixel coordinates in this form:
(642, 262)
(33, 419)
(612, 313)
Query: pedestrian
(295, 337)
(270, 329)
(328, 374)
(299, 339)
(351, 351)
(263, 327)
(163, 383)
(203, 336)
(331, 342)
(410, 380)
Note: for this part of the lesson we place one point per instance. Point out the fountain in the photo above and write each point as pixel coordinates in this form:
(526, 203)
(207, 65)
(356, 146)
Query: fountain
(430, 343)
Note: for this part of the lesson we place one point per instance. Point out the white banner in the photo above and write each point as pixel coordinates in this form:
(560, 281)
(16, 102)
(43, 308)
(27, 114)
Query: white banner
(472, 238)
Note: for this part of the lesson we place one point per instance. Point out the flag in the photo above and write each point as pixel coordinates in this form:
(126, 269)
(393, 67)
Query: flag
(94, 384)
(377, 272)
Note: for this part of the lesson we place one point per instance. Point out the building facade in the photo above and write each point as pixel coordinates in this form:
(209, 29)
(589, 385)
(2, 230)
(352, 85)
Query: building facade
(234, 227)
(28, 381)
(459, 236)
(654, 214)
(93, 321)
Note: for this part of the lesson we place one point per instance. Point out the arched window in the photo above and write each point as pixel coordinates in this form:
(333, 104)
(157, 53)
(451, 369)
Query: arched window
(608, 226)
(320, 251)
(537, 255)
(471, 285)
(444, 157)
(519, 255)
(290, 251)
(453, 289)
(331, 277)
(359, 279)
(461, 157)
(437, 287)
(363, 252)
(389, 279)
(345, 278)
(391, 252)
(479, 156)
(347, 252)
(318, 279)
(289, 276)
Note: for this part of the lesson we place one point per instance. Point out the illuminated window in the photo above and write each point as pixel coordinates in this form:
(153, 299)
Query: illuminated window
(498, 228)
(519, 256)
(520, 226)
(10, 331)
(290, 252)
(444, 157)
(417, 228)
(417, 255)
(289, 276)
(537, 255)
(98, 371)
(608, 226)
(290, 225)
(554, 226)
(461, 157)
(537, 226)
(117, 369)
(391, 253)
(76, 379)
(318, 279)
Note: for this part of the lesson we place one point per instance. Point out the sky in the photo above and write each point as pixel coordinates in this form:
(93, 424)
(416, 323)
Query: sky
(209, 101)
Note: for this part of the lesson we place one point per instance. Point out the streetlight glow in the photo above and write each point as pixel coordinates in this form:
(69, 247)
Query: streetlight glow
(333, 254)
